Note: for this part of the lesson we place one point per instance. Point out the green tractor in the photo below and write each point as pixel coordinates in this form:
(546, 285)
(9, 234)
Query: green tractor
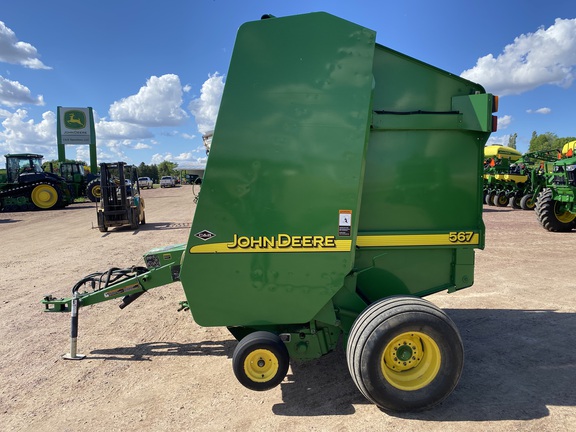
(536, 166)
(555, 206)
(25, 186)
(82, 183)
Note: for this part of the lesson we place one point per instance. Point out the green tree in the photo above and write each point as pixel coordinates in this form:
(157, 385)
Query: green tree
(149, 171)
(545, 141)
(167, 168)
(142, 170)
(512, 140)
(559, 143)
(154, 173)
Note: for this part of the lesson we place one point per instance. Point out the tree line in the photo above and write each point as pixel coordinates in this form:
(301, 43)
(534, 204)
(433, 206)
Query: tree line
(545, 141)
(155, 172)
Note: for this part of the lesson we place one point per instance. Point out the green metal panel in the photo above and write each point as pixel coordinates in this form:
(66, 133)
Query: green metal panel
(340, 172)
(421, 213)
(287, 157)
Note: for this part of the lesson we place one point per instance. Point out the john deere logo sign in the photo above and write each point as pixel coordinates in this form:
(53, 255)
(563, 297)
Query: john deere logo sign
(74, 119)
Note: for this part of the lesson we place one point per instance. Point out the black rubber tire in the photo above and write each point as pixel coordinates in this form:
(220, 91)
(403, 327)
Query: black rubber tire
(514, 202)
(101, 225)
(275, 361)
(93, 190)
(371, 338)
(548, 215)
(527, 202)
(134, 219)
(489, 198)
(501, 199)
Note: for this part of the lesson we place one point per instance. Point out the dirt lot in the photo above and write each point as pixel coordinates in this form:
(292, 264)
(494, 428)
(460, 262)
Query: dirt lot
(151, 368)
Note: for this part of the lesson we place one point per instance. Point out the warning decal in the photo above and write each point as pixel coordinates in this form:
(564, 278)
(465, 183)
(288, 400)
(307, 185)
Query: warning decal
(345, 223)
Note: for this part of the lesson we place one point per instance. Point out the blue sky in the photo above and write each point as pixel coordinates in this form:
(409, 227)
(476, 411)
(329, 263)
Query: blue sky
(154, 71)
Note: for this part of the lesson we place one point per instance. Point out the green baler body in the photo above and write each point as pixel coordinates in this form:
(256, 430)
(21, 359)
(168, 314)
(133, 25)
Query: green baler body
(340, 172)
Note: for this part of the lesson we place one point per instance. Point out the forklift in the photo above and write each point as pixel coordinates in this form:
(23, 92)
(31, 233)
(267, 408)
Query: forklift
(120, 203)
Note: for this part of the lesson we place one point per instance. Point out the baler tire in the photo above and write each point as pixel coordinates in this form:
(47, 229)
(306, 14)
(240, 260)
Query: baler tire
(548, 216)
(527, 202)
(260, 361)
(414, 326)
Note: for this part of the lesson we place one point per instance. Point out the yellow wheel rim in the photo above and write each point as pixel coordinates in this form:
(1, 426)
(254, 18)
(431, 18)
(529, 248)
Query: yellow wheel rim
(411, 361)
(96, 191)
(564, 216)
(44, 196)
(261, 365)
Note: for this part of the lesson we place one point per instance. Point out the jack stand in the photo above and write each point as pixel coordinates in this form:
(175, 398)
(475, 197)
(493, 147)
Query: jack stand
(72, 355)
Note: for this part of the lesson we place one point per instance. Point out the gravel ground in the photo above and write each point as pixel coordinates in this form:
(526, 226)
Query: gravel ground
(151, 368)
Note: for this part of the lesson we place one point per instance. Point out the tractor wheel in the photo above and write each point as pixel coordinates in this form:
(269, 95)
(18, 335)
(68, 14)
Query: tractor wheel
(501, 199)
(489, 198)
(404, 354)
(550, 214)
(45, 196)
(527, 202)
(514, 202)
(94, 191)
(260, 361)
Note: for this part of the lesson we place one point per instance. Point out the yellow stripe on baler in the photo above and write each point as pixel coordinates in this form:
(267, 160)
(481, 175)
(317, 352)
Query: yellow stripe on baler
(445, 239)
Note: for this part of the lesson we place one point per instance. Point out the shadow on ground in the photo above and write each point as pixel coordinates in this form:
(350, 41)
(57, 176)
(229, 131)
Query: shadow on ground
(517, 363)
(147, 351)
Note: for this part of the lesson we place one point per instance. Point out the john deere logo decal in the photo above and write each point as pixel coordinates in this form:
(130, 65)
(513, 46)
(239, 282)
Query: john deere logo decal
(74, 119)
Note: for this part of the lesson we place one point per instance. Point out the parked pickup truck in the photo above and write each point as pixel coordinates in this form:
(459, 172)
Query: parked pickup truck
(145, 182)
(167, 181)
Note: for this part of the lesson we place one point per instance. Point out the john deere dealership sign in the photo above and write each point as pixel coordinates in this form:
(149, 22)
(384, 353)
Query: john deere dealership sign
(76, 127)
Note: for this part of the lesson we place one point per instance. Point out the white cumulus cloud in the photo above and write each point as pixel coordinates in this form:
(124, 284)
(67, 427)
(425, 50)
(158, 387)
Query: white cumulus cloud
(205, 108)
(156, 104)
(12, 94)
(543, 110)
(547, 56)
(142, 146)
(120, 130)
(504, 122)
(18, 129)
(185, 160)
(17, 52)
